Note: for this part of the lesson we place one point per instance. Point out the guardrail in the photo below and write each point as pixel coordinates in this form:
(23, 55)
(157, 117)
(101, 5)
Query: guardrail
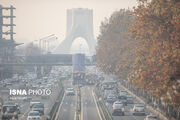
(78, 105)
(54, 109)
(158, 113)
(102, 107)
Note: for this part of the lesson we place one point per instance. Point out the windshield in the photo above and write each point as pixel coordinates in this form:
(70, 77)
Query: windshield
(38, 106)
(34, 114)
(9, 109)
(139, 106)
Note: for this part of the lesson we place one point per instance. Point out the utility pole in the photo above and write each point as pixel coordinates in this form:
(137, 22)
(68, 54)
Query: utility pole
(41, 44)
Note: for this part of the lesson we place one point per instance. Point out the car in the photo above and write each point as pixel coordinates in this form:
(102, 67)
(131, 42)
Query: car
(122, 94)
(138, 109)
(107, 92)
(9, 83)
(34, 115)
(111, 98)
(124, 101)
(118, 108)
(10, 110)
(129, 99)
(70, 91)
(38, 107)
(33, 103)
(151, 117)
(108, 87)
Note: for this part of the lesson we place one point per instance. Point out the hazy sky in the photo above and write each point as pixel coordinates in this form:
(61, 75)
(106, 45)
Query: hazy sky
(38, 18)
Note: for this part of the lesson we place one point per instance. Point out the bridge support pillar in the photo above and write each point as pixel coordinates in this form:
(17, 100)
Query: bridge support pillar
(39, 71)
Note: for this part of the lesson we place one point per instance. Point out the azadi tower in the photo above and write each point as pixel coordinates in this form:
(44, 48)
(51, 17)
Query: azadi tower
(79, 24)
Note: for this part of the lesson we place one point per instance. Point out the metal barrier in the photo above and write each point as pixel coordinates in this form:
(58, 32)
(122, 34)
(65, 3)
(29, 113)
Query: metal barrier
(54, 109)
(102, 107)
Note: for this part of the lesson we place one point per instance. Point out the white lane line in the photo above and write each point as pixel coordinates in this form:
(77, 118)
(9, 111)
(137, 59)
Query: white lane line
(57, 114)
(82, 111)
(96, 105)
(75, 115)
(82, 100)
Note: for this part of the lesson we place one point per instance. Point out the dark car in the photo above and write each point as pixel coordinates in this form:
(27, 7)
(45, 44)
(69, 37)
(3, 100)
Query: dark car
(10, 110)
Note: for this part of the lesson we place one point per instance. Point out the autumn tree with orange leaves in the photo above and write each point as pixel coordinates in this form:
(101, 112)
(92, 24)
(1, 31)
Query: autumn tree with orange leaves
(114, 46)
(144, 48)
(157, 33)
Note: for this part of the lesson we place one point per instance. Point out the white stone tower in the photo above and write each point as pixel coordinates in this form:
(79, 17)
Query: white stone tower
(79, 24)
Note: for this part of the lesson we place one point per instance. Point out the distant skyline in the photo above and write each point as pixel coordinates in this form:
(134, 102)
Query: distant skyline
(39, 18)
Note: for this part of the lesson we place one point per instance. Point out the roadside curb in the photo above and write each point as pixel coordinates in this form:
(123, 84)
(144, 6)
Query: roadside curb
(161, 116)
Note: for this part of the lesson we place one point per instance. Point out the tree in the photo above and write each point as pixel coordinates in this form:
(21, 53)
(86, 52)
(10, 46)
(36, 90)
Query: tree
(156, 32)
(114, 51)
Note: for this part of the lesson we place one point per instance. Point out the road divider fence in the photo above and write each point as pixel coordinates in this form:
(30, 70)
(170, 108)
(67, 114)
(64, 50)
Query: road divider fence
(105, 114)
(54, 110)
(78, 105)
(158, 113)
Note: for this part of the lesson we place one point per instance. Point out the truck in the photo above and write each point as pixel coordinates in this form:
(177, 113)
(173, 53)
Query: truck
(78, 72)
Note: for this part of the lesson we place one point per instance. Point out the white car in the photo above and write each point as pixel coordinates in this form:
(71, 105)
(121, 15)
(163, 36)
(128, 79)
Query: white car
(118, 108)
(33, 103)
(38, 107)
(70, 91)
(34, 115)
(138, 109)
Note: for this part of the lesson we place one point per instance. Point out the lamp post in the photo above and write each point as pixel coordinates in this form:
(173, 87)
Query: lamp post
(41, 44)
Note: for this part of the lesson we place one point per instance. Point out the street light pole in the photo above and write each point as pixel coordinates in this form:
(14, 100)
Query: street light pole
(41, 45)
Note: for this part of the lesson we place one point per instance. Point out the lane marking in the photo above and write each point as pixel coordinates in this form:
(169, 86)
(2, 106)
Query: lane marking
(82, 111)
(96, 105)
(57, 114)
(75, 115)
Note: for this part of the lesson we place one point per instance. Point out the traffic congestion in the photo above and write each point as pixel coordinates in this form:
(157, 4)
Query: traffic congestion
(17, 103)
(121, 104)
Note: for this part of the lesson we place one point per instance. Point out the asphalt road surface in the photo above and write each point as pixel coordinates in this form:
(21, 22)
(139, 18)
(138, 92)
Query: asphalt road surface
(128, 111)
(89, 110)
(67, 108)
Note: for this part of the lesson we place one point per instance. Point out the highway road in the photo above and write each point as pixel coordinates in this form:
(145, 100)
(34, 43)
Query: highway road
(24, 104)
(48, 103)
(67, 107)
(128, 110)
(128, 115)
(89, 109)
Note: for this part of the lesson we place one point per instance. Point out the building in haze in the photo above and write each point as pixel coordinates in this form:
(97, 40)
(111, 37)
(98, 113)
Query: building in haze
(79, 25)
(7, 43)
